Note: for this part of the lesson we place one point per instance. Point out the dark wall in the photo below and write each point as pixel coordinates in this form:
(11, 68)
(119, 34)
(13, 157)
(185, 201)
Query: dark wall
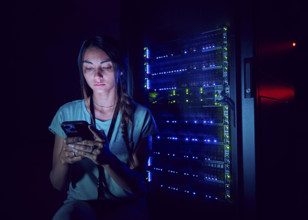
(43, 40)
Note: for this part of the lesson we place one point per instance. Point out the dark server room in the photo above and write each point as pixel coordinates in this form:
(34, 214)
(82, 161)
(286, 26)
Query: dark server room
(224, 80)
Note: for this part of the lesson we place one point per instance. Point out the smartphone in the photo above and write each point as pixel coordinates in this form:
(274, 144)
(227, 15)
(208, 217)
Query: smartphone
(77, 129)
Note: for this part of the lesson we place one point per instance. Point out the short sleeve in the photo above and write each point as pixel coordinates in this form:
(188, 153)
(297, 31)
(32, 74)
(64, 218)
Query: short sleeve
(149, 126)
(55, 126)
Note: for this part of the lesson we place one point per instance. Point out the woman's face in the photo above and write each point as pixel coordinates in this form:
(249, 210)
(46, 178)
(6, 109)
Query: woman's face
(98, 71)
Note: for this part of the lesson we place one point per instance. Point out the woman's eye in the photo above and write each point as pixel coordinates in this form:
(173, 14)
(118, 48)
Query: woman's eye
(107, 67)
(88, 68)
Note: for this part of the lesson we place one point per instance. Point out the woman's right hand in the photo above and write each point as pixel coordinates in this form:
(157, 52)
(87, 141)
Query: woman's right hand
(68, 153)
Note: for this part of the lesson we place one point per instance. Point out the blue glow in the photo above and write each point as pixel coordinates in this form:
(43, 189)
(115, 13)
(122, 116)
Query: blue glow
(186, 139)
(148, 84)
(149, 176)
(158, 137)
(148, 68)
(147, 53)
(150, 161)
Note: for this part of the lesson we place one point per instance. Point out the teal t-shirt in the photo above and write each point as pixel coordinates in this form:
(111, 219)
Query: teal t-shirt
(83, 185)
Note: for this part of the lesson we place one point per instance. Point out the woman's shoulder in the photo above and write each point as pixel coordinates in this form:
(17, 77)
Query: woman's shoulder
(72, 105)
(139, 107)
(141, 110)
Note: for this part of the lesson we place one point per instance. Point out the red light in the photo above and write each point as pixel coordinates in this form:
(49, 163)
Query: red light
(293, 44)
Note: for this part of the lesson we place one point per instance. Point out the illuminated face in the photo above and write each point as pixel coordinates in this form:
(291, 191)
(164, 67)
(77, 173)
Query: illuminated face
(98, 70)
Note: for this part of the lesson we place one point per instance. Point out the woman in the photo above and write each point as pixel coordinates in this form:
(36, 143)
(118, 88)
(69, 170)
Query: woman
(106, 178)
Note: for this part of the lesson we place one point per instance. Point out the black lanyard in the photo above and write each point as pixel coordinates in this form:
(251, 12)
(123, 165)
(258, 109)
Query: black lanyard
(101, 175)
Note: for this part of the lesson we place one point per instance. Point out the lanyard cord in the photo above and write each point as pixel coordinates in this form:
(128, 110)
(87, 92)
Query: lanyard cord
(101, 174)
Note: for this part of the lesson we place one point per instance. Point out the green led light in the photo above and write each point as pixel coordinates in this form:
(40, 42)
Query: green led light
(186, 100)
(226, 107)
(228, 176)
(187, 90)
(201, 90)
(225, 28)
(226, 57)
(227, 127)
(173, 92)
(228, 196)
(215, 95)
(201, 100)
(228, 147)
(153, 94)
(225, 48)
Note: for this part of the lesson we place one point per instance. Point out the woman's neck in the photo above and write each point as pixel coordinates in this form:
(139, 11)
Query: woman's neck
(101, 100)
(104, 105)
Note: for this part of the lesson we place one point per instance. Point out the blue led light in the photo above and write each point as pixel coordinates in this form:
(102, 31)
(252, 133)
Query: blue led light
(158, 137)
(195, 121)
(148, 68)
(186, 139)
(147, 53)
(150, 161)
(149, 176)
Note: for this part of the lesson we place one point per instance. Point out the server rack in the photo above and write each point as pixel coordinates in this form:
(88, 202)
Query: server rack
(188, 85)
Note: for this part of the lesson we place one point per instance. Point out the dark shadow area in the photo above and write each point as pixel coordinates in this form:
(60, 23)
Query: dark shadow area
(42, 42)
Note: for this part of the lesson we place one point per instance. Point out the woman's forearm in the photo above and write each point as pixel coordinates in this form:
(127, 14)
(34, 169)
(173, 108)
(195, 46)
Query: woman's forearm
(59, 175)
(130, 180)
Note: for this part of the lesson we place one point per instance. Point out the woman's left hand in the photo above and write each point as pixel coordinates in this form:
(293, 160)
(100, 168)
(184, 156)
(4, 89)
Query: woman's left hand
(96, 150)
